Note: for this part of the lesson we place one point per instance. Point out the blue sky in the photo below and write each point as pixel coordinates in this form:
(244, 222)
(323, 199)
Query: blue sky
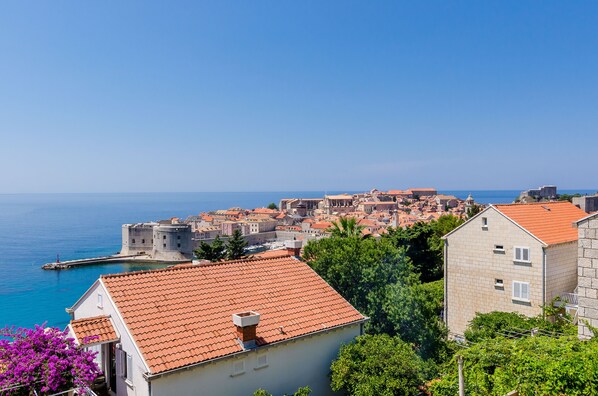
(297, 95)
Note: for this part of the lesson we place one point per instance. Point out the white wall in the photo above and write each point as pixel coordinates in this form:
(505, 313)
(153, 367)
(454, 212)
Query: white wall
(561, 269)
(88, 308)
(290, 365)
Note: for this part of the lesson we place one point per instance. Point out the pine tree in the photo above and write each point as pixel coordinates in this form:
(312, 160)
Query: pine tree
(214, 252)
(235, 248)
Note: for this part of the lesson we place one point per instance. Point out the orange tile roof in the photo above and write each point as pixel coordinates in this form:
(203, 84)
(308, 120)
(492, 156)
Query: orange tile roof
(182, 315)
(323, 225)
(94, 330)
(551, 222)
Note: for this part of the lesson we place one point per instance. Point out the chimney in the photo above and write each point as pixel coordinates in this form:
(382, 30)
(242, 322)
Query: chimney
(246, 323)
(293, 247)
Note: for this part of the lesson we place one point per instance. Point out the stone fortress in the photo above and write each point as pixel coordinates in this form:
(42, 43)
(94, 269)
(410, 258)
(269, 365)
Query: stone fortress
(160, 242)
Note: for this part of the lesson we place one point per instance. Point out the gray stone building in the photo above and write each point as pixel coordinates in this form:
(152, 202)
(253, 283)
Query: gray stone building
(587, 203)
(587, 261)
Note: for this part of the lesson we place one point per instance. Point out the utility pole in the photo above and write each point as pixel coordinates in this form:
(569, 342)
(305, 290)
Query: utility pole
(461, 379)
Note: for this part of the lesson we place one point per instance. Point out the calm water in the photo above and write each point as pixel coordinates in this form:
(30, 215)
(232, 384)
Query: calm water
(36, 227)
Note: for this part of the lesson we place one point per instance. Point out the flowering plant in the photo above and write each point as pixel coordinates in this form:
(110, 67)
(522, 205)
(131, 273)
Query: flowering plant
(44, 359)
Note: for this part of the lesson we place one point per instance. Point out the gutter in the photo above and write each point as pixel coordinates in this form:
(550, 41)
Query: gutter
(544, 282)
(149, 377)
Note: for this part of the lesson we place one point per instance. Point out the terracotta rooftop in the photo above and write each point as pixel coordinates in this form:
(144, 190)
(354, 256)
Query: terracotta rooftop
(94, 330)
(551, 222)
(182, 315)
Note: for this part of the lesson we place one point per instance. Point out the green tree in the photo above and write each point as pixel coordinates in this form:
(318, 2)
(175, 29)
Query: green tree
(346, 227)
(377, 365)
(361, 270)
(473, 210)
(213, 252)
(235, 248)
(424, 244)
(272, 206)
(540, 365)
(496, 324)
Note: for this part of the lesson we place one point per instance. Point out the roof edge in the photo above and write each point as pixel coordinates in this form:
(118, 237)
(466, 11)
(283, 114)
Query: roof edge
(149, 376)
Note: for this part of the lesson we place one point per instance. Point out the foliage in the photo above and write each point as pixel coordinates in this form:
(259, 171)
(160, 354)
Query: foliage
(303, 391)
(568, 197)
(346, 227)
(424, 244)
(537, 365)
(44, 360)
(213, 252)
(377, 365)
(473, 210)
(272, 206)
(361, 270)
(235, 248)
(495, 324)
(378, 279)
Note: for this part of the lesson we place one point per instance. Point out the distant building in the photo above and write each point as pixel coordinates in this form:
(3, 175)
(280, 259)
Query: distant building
(423, 192)
(339, 204)
(588, 203)
(162, 241)
(447, 201)
(225, 328)
(544, 192)
(512, 258)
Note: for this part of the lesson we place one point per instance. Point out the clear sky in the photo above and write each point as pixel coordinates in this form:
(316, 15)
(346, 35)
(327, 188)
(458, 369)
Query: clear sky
(112, 96)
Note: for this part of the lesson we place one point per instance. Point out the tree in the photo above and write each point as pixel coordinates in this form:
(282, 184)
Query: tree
(213, 252)
(424, 244)
(485, 326)
(235, 248)
(473, 210)
(346, 227)
(361, 270)
(272, 206)
(540, 365)
(377, 365)
(43, 360)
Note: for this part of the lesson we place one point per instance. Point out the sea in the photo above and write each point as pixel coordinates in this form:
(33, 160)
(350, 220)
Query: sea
(36, 228)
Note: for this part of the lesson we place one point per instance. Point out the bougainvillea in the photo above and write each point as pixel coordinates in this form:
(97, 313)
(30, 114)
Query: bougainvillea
(44, 359)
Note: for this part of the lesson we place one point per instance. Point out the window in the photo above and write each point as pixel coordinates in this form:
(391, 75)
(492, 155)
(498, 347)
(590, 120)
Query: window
(499, 283)
(164, 237)
(133, 241)
(178, 237)
(262, 361)
(521, 291)
(164, 245)
(521, 254)
(238, 368)
(100, 301)
(178, 245)
(143, 241)
(484, 222)
(499, 248)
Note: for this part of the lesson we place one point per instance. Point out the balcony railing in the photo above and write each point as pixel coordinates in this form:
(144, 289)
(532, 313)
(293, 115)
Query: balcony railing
(568, 298)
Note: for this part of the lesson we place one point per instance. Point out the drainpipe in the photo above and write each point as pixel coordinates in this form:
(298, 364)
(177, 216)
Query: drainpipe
(543, 281)
(445, 283)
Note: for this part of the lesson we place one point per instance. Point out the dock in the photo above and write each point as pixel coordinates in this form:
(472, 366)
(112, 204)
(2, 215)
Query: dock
(116, 258)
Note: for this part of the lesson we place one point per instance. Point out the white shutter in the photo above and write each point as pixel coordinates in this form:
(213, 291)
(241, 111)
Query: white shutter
(119, 362)
(518, 254)
(129, 367)
(525, 254)
(525, 291)
(516, 290)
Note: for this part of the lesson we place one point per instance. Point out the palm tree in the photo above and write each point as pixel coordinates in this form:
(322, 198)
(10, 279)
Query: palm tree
(346, 227)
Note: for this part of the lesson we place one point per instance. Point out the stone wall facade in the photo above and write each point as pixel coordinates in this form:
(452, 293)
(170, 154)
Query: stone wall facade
(587, 275)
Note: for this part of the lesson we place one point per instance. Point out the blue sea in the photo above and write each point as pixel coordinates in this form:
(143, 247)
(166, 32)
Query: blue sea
(34, 228)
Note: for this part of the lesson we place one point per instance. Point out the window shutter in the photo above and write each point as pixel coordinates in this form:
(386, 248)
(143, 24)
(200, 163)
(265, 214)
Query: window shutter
(119, 362)
(517, 254)
(516, 289)
(129, 367)
(525, 254)
(525, 291)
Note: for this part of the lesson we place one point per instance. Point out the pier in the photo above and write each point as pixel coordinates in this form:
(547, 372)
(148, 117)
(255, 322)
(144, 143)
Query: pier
(141, 258)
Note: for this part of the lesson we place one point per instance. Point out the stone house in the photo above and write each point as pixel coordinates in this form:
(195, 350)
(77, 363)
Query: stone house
(224, 328)
(512, 258)
(587, 293)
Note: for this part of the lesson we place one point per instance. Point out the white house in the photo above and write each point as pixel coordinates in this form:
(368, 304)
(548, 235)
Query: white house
(218, 329)
(511, 258)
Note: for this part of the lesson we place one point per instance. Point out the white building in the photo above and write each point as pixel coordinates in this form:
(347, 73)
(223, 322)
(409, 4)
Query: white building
(218, 329)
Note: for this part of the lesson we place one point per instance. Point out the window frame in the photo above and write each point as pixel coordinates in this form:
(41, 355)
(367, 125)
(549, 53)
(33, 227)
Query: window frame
(520, 297)
(522, 248)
